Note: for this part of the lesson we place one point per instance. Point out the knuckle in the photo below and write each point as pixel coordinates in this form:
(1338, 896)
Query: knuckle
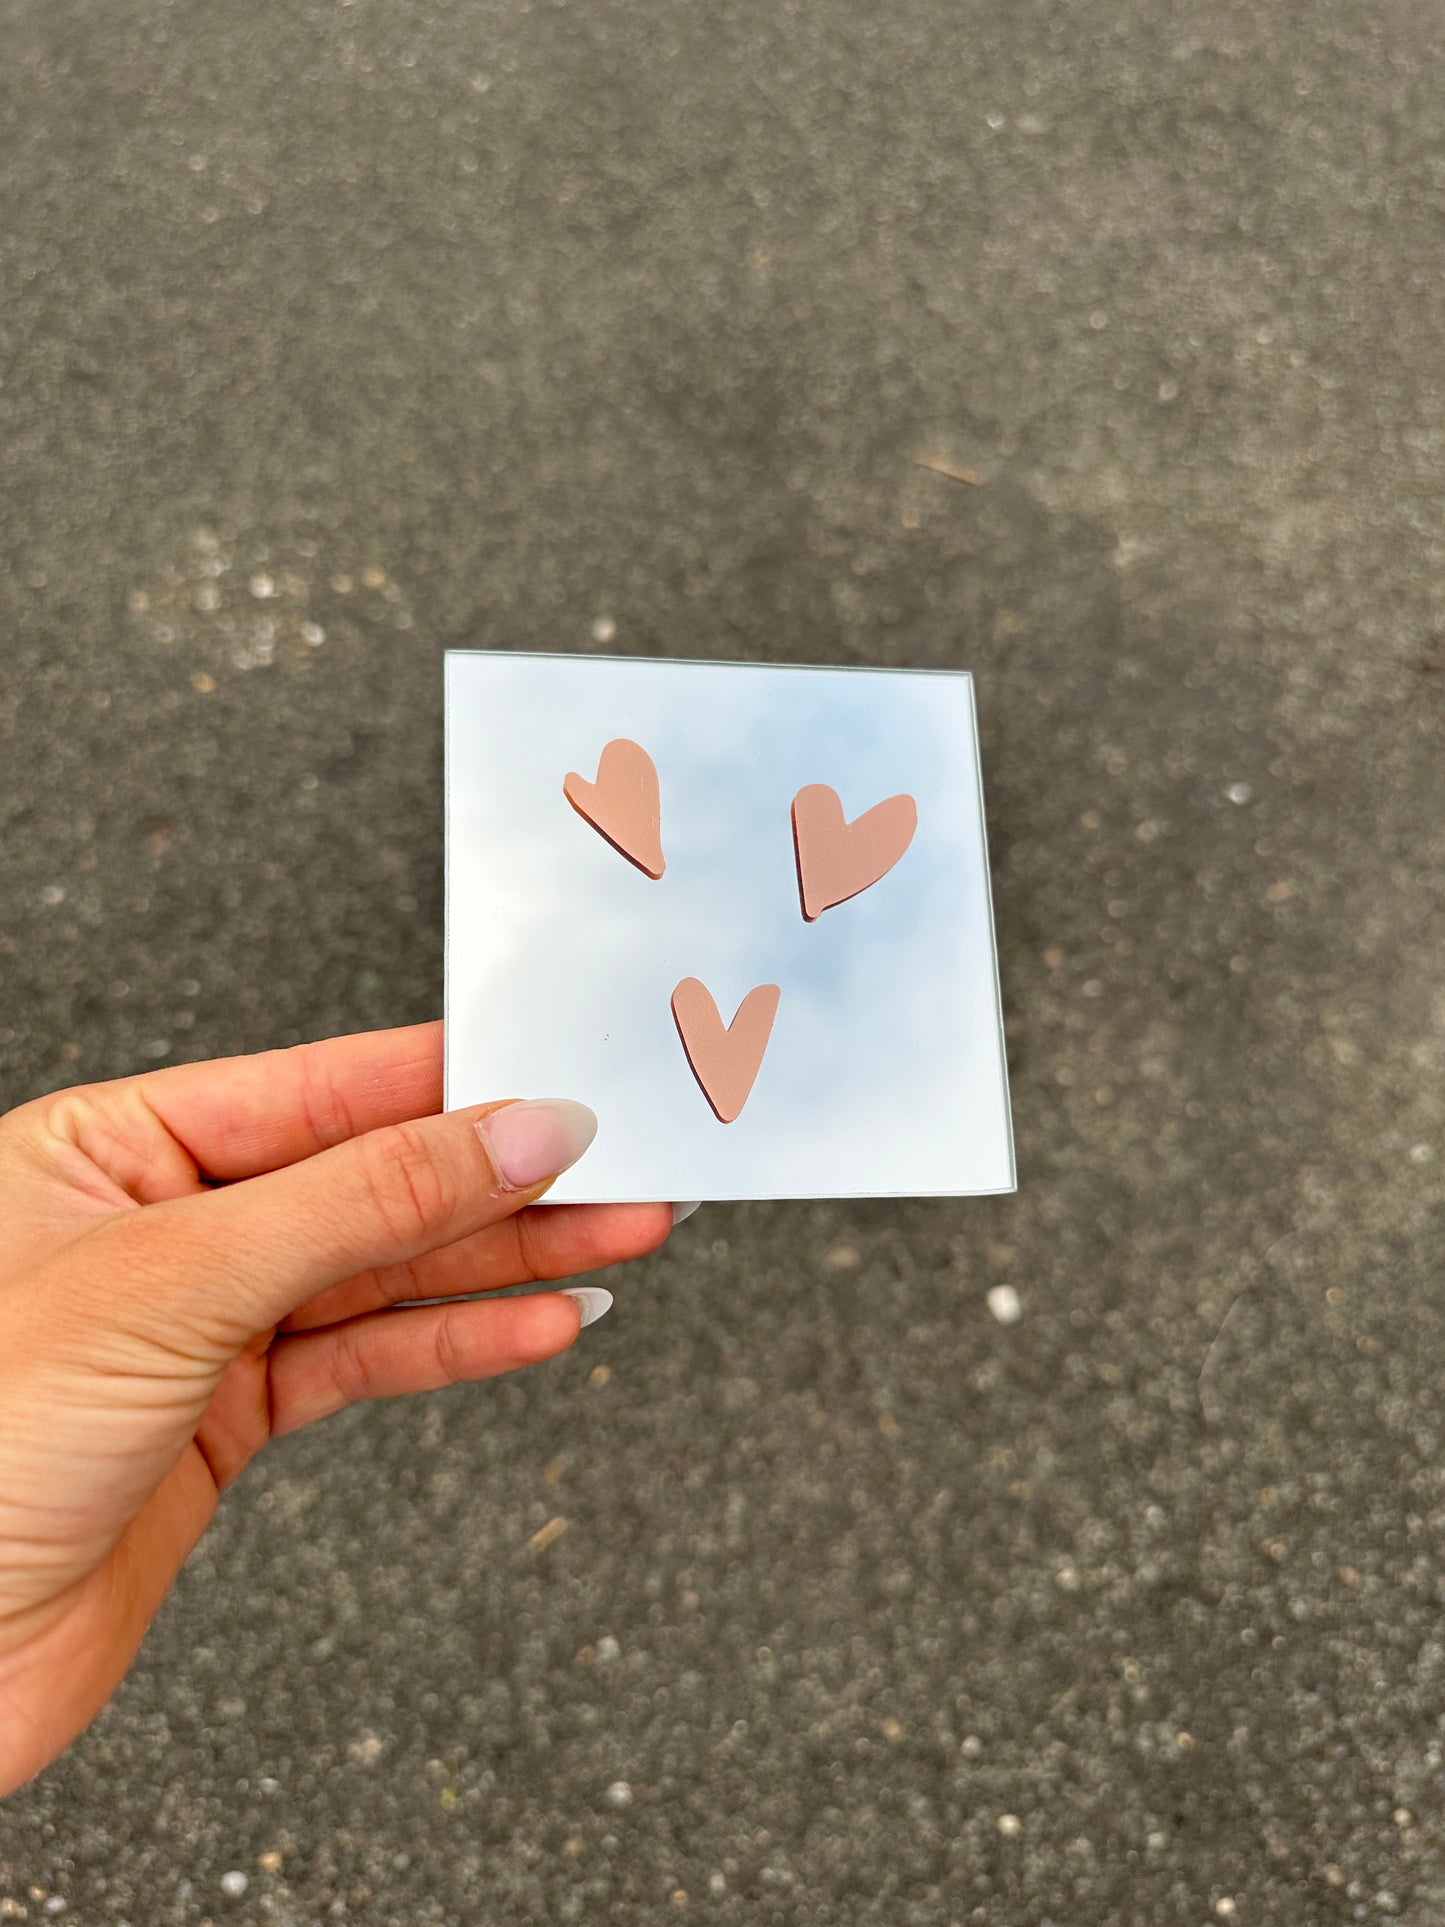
(398, 1284)
(407, 1188)
(453, 1359)
(530, 1260)
(325, 1108)
(567, 1240)
(34, 1119)
(349, 1377)
(114, 1131)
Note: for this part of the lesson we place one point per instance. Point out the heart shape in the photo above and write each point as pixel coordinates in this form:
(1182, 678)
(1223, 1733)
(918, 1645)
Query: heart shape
(837, 859)
(623, 805)
(724, 1062)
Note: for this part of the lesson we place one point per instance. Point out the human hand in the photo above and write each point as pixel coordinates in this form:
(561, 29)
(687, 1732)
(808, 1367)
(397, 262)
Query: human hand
(203, 1258)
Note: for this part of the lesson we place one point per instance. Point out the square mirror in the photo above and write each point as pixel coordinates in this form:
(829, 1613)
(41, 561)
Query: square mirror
(642, 854)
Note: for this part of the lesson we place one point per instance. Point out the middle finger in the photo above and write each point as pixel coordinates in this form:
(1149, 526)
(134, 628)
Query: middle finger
(539, 1244)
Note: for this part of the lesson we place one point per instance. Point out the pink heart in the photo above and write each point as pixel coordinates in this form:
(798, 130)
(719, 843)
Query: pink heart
(837, 859)
(724, 1062)
(623, 804)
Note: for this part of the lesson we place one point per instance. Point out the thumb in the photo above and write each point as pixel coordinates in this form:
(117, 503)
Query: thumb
(235, 1261)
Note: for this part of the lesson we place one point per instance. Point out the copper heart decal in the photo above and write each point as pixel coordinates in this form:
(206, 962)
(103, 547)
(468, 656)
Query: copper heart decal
(724, 1062)
(837, 859)
(623, 805)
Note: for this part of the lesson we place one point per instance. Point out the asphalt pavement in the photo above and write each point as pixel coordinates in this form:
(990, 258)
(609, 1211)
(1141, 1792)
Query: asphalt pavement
(1066, 1558)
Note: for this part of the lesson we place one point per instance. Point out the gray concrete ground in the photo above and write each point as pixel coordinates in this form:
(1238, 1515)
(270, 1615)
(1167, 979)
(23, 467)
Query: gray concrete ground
(499, 324)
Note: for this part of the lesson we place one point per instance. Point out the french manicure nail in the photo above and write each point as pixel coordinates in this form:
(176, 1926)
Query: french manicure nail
(592, 1301)
(681, 1211)
(533, 1141)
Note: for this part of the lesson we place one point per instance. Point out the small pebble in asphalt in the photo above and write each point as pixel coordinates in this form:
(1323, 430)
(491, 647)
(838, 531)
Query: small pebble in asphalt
(1005, 1304)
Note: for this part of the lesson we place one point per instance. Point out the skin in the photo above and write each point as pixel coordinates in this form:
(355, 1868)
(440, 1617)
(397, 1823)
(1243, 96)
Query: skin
(204, 1258)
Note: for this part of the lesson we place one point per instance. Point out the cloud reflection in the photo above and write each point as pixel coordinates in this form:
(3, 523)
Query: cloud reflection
(884, 1075)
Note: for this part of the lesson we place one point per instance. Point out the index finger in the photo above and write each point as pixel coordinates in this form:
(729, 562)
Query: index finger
(241, 1116)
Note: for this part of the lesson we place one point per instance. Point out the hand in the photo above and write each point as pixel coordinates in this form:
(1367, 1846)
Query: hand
(203, 1258)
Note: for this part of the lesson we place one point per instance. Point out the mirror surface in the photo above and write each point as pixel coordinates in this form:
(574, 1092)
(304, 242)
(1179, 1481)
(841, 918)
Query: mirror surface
(884, 1073)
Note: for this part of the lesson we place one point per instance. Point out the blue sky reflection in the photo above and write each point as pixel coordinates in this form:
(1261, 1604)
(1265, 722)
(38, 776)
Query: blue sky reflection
(884, 1074)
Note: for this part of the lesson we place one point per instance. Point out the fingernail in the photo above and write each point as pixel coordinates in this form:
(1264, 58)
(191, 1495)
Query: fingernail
(592, 1301)
(530, 1142)
(681, 1211)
